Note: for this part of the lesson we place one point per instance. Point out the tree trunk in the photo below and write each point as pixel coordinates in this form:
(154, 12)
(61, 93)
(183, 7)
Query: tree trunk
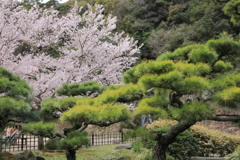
(163, 140)
(71, 154)
(40, 143)
(159, 151)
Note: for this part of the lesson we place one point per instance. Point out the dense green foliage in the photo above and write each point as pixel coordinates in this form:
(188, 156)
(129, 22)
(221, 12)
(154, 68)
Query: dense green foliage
(79, 89)
(192, 69)
(15, 98)
(79, 112)
(184, 147)
(74, 140)
(184, 84)
(198, 141)
(39, 128)
(166, 25)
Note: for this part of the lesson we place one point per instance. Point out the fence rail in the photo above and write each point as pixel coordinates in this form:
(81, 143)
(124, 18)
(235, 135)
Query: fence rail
(109, 138)
(26, 142)
(31, 142)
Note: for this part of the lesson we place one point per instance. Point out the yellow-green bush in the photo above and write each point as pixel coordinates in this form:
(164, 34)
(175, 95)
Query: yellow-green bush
(211, 142)
(214, 142)
(161, 123)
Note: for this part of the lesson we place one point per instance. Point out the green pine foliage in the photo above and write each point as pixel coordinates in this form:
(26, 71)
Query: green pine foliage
(188, 69)
(195, 84)
(221, 66)
(124, 94)
(191, 87)
(202, 55)
(184, 147)
(153, 67)
(231, 9)
(192, 73)
(78, 89)
(15, 102)
(39, 128)
(192, 112)
(178, 55)
(51, 105)
(74, 140)
(103, 115)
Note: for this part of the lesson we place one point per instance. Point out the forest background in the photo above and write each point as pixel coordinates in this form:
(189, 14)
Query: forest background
(162, 25)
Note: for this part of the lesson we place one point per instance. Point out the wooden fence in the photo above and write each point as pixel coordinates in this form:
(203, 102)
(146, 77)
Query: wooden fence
(26, 142)
(109, 138)
(31, 142)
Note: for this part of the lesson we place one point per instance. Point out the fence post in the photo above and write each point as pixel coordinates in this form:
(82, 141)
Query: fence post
(92, 138)
(22, 139)
(1, 142)
(122, 137)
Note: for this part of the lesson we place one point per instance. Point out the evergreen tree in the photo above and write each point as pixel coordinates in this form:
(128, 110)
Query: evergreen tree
(78, 112)
(15, 96)
(188, 85)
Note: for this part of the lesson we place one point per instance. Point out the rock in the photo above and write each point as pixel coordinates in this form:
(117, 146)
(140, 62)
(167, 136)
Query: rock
(26, 155)
(110, 158)
(40, 158)
(124, 158)
(124, 146)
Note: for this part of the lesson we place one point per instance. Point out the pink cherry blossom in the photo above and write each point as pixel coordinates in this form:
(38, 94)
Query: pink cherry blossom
(92, 50)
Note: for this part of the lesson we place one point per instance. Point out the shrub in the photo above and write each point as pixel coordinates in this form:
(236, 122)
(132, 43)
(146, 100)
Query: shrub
(146, 138)
(214, 142)
(137, 146)
(210, 142)
(184, 147)
(51, 144)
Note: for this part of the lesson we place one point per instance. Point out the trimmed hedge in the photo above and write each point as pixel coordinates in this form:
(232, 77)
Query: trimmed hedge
(211, 142)
(214, 142)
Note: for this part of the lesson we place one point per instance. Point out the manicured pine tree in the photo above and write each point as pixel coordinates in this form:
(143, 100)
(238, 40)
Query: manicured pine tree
(15, 98)
(78, 112)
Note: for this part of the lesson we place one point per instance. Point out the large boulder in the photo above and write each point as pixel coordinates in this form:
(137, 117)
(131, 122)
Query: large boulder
(39, 158)
(26, 155)
(124, 146)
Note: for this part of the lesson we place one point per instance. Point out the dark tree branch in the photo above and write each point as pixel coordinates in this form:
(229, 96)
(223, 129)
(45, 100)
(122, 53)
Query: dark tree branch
(85, 125)
(174, 99)
(223, 0)
(75, 127)
(104, 124)
(237, 11)
(171, 134)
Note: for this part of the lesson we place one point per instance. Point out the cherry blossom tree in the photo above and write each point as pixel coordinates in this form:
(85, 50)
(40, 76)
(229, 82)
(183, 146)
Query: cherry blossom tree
(86, 47)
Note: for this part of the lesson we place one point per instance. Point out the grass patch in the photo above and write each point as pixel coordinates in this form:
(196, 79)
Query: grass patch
(95, 153)
(91, 153)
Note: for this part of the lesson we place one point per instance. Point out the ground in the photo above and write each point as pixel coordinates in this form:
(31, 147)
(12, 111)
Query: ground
(6, 156)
